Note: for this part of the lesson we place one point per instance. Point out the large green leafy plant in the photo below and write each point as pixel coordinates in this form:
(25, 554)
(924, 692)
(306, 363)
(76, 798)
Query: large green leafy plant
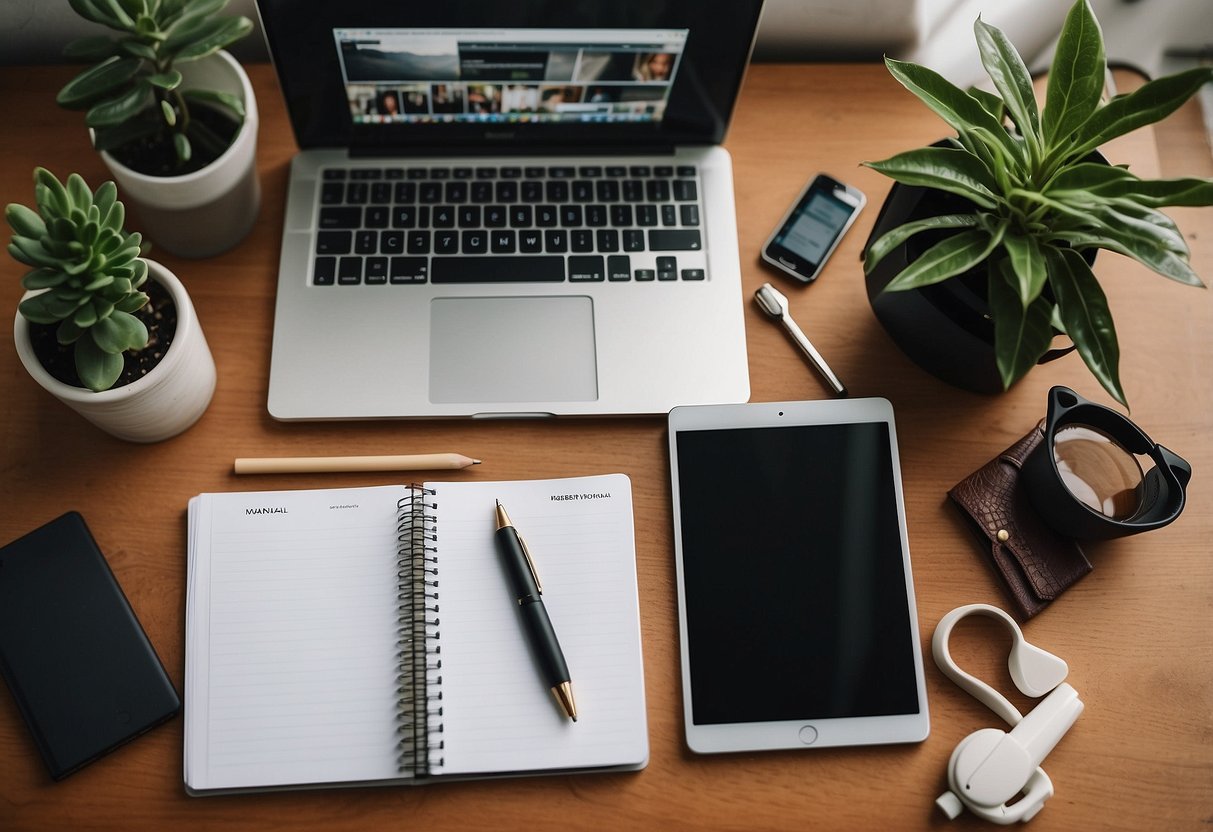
(1038, 201)
(134, 93)
(89, 269)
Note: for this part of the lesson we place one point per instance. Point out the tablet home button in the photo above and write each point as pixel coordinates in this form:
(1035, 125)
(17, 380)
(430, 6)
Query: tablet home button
(808, 735)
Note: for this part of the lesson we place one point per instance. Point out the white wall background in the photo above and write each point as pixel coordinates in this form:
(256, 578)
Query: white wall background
(935, 32)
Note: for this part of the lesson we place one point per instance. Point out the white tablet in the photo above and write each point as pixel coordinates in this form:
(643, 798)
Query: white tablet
(796, 605)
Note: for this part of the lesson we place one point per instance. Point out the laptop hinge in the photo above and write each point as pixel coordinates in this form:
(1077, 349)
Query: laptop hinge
(448, 151)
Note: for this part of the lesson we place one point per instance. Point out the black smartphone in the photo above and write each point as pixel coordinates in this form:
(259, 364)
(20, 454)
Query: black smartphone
(811, 229)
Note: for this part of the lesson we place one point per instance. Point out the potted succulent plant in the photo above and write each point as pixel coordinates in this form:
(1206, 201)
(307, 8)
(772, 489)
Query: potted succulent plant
(990, 236)
(133, 362)
(173, 116)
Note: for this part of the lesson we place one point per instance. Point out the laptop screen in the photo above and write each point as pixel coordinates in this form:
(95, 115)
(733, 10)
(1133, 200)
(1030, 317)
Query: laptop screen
(380, 75)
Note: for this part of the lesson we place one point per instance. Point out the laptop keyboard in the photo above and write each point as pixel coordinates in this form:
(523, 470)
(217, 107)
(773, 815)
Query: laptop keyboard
(475, 224)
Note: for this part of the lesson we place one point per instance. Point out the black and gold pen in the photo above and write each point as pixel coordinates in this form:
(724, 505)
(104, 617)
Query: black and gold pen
(524, 583)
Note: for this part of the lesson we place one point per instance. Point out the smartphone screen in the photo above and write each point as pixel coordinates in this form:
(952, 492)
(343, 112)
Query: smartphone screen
(810, 231)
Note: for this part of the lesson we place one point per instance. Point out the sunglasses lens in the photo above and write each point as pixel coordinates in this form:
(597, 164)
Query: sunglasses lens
(1097, 471)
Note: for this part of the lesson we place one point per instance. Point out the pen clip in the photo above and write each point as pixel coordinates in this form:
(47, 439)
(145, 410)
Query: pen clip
(526, 552)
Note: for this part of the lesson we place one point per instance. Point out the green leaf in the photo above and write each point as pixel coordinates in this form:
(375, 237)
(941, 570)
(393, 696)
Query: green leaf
(31, 252)
(1107, 182)
(1076, 78)
(97, 369)
(96, 83)
(139, 49)
(104, 198)
(1088, 321)
(1153, 101)
(78, 192)
(960, 110)
(224, 99)
(108, 138)
(1006, 69)
(117, 110)
(1021, 335)
(1166, 263)
(115, 10)
(93, 48)
(990, 102)
(1028, 270)
(55, 194)
(132, 303)
(215, 35)
(44, 278)
(1138, 233)
(119, 332)
(187, 18)
(947, 258)
(891, 240)
(170, 115)
(181, 145)
(68, 333)
(24, 221)
(946, 169)
(90, 11)
(85, 316)
(166, 80)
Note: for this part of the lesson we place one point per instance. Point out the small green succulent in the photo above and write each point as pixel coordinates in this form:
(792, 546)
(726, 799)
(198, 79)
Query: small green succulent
(1039, 202)
(89, 269)
(135, 91)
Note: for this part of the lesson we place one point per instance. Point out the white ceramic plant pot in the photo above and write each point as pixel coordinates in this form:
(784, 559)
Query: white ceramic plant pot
(206, 212)
(170, 398)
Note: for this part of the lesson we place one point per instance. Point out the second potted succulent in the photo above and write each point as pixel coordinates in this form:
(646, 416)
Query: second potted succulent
(173, 116)
(133, 362)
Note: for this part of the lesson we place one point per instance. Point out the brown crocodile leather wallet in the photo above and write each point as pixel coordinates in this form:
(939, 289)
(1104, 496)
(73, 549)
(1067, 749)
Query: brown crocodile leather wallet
(1036, 564)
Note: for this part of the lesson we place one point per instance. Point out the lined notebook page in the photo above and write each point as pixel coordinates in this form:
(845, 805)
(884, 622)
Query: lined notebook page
(498, 713)
(291, 628)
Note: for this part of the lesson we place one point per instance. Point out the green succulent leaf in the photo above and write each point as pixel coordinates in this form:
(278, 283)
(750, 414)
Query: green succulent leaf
(946, 169)
(181, 144)
(170, 115)
(29, 251)
(198, 38)
(85, 316)
(169, 80)
(117, 110)
(50, 194)
(78, 192)
(139, 49)
(947, 258)
(93, 48)
(1076, 78)
(120, 331)
(114, 9)
(186, 16)
(881, 248)
(68, 333)
(97, 369)
(97, 82)
(1087, 319)
(132, 303)
(104, 198)
(1012, 80)
(23, 221)
(1027, 267)
(44, 278)
(224, 99)
(92, 11)
(1021, 334)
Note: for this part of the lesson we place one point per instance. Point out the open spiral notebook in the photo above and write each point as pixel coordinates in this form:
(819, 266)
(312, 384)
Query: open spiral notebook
(359, 636)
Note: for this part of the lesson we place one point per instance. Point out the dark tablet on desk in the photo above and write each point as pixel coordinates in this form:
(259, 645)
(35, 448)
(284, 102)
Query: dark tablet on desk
(796, 602)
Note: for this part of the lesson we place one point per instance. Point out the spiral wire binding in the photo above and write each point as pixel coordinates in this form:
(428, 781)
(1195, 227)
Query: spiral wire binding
(418, 656)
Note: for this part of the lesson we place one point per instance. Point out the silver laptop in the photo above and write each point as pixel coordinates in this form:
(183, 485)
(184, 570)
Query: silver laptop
(508, 209)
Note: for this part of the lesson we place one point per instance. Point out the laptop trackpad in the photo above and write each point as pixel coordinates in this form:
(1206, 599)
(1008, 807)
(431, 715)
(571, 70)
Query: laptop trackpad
(535, 349)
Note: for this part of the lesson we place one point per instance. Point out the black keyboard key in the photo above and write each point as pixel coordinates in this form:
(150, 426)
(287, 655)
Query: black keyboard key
(446, 242)
(621, 215)
(668, 215)
(486, 173)
(657, 190)
(324, 273)
(408, 270)
(645, 275)
(391, 242)
(646, 215)
(663, 170)
(521, 216)
(366, 173)
(349, 271)
(667, 268)
(443, 216)
(633, 240)
(365, 242)
(582, 190)
(376, 271)
(456, 191)
(334, 173)
(503, 241)
(419, 242)
(356, 193)
(530, 241)
(410, 216)
(475, 242)
(675, 240)
(534, 173)
(531, 191)
(393, 173)
(581, 240)
(561, 172)
(555, 241)
(692, 274)
(332, 193)
(381, 193)
(469, 216)
(570, 216)
(608, 240)
(495, 216)
(607, 190)
(556, 191)
(595, 216)
(334, 242)
(618, 171)
(619, 267)
(430, 192)
(640, 171)
(462, 173)
(689, 214)
(511, 173)
(440, 173)
(332, 217)
(377, 216)
(482, 192)
(686, 170)
(586, 270)
(633, 190)
(546, 216)
(507, 191)
(685, 190)
(405, 192)
(521, 269)
(589, 171)
(416, 173)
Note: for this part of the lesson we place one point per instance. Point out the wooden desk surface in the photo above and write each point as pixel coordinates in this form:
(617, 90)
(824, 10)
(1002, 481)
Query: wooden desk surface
(1136, 632)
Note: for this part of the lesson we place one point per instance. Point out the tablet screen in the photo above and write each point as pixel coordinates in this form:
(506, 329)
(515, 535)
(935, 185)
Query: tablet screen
(796, 601)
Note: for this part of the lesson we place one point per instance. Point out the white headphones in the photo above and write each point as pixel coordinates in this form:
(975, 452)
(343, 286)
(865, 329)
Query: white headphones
(990, 767)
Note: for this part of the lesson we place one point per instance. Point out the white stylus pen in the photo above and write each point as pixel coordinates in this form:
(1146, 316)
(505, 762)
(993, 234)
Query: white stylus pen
(775, 304)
